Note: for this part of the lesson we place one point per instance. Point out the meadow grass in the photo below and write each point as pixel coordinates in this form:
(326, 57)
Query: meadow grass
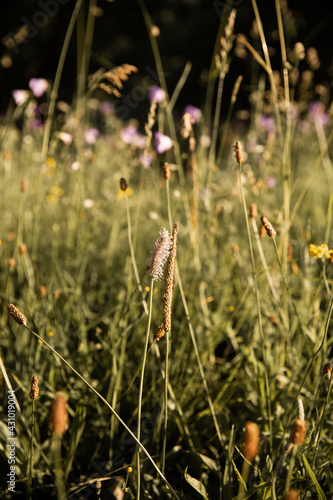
(234, 401)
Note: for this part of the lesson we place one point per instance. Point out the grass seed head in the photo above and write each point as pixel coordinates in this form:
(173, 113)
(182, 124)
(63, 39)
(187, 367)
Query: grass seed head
(34, 390)
(59, 415)
(253, 211)
(298, 431)
(268, 226)
(251, 441)
(16, 314)
(238, 148)
(167, 174)
(169, 280)
(159, 254)
(292, 494)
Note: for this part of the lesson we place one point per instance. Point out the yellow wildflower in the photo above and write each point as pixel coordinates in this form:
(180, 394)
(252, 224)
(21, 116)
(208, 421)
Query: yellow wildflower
(313, 250)
(318, 252)
(122, 194)
(51, 163)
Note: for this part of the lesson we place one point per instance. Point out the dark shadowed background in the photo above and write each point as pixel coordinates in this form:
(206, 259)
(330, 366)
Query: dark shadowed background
(188, 31)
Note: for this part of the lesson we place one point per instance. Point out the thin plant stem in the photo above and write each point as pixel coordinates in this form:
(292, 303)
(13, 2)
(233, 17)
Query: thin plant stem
(291, 468)
(325, 330)
(108, 405)
(31, 448)
(135, 267)
(166, 383)
(256, 288)
(55, 88)
(59, 473)
(321, 421)
(141, 385)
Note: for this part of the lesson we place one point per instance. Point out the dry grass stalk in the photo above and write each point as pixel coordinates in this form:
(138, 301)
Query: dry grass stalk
(34, 390)
(113, 79)
(59, 415)
(16, 314)
(251, 441)
(253, 211)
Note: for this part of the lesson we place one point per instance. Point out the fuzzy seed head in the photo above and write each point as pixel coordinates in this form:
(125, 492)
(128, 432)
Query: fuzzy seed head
(123, 184)
(238, 148)
(298, 431)
(268, 226)
(16, 314)
(159, 254)
(169, 280)
(59, 415)
(251, 441)
(160, 332)
(34, 390)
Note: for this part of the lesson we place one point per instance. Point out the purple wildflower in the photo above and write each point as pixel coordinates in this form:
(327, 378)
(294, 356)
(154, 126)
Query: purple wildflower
(162, 142)
(317, 114)
(20, 96)
(38, 86)
(128, 134)
(194, 112)
(91, 135)
(146, 159)
(156, 94)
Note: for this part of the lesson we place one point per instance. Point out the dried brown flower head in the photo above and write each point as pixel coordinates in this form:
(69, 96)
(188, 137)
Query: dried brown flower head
(167, 173)
(34, 390)
(268, 226)
(160, 332)
(59, 415)
(123, 184)
(238, 148)
(251, 441)
(16, 314)
(298, 431)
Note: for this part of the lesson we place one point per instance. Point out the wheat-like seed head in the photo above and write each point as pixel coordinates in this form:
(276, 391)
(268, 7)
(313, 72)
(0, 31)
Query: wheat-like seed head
(16, 314)
(159, 254)
(34, 390)
(238, 148)
(169, 280)
(268, 226)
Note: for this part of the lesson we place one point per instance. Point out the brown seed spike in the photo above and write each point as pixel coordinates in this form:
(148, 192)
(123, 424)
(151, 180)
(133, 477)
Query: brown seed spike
(268, 226)
(160, 332)
(59, 417)
(123, 184)
(34, 391)
(16, 314)
(298, 431)
(238, 148)
(167, 174)
(251, 441)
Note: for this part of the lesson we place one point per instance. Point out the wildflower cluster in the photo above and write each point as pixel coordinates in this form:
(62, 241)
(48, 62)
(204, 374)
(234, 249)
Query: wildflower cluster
(318, 252)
